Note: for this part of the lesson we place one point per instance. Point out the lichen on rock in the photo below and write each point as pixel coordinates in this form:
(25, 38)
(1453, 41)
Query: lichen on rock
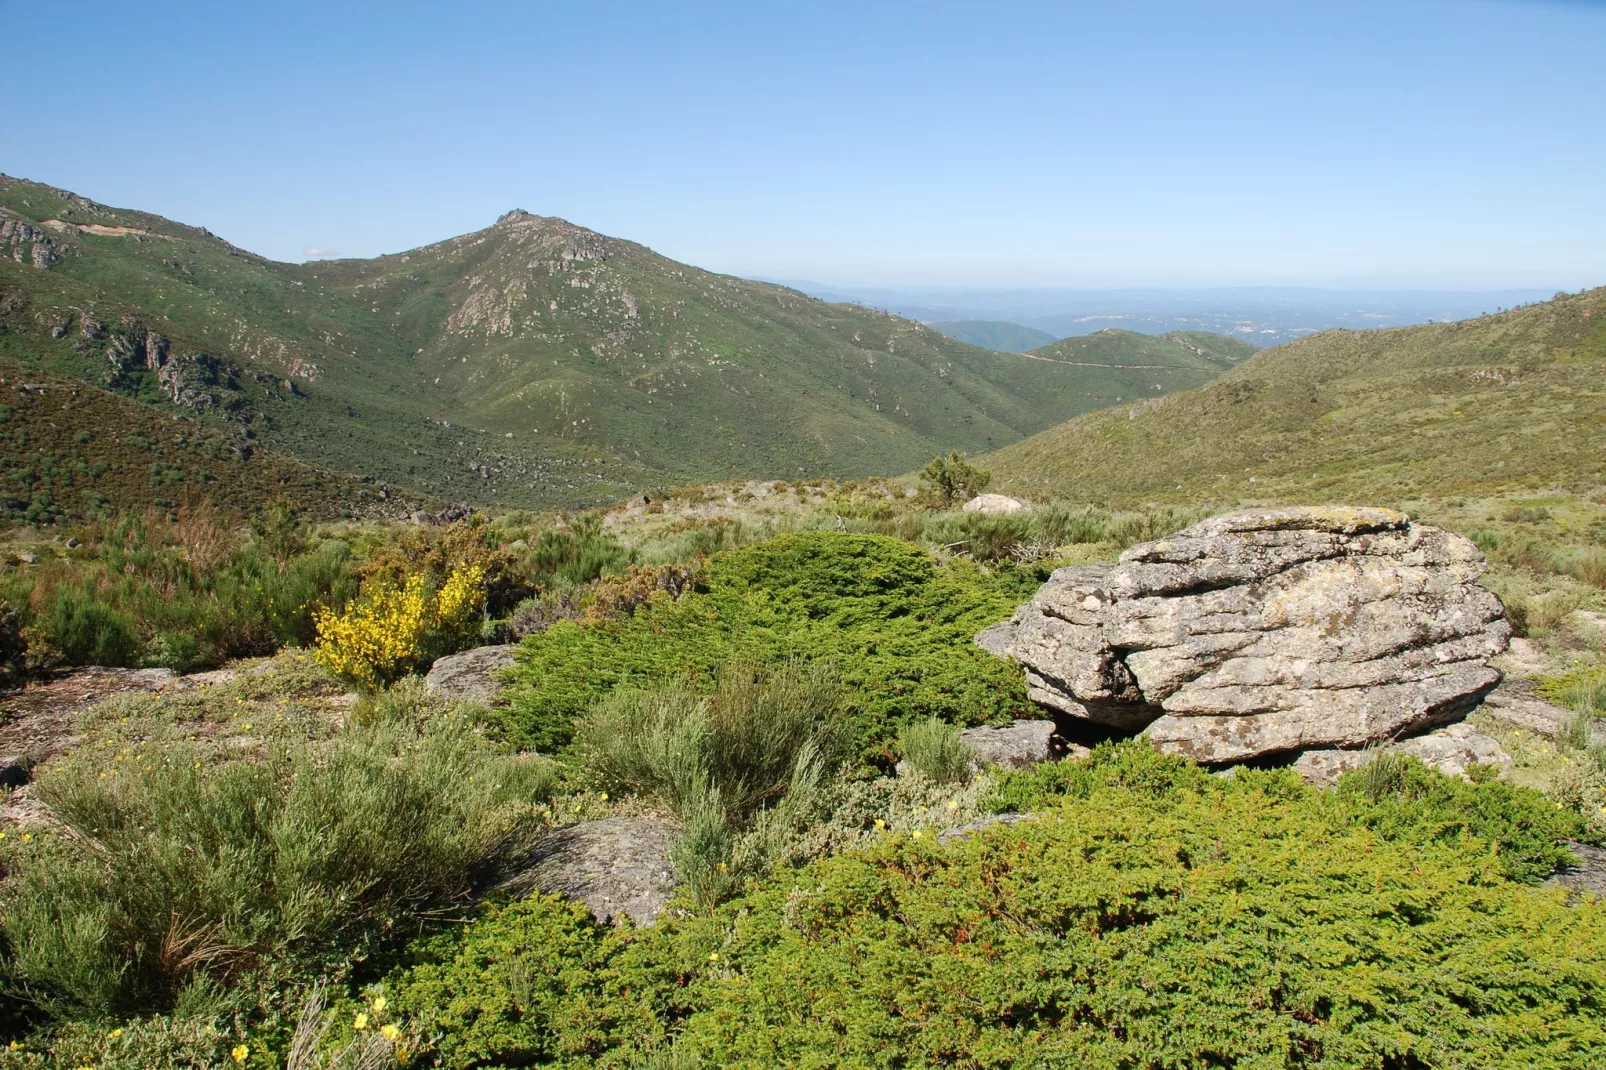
(1266, 631)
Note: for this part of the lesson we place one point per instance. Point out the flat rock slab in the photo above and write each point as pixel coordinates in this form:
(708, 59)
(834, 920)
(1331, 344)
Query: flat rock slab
(1451, 750)
(982, 825)
(39, 720)
(473, 676)
(1266, 631)
(1018, 745)
(619, 865)
(1520, 706)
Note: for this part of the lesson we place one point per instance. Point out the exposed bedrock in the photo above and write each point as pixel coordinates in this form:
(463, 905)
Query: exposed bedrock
(1266, 631)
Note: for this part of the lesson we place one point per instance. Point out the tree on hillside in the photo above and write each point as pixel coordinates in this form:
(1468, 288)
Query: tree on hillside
(952, 478)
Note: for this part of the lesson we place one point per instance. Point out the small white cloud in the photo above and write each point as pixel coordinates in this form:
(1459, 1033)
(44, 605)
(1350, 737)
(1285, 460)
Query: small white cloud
(314, 253)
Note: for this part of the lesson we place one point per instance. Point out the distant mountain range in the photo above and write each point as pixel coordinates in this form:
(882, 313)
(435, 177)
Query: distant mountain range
(1000, 335)
(1261, 316)
(1508, 402)
(534, 363)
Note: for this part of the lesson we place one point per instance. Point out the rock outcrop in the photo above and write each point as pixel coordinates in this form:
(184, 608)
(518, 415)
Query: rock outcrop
(1266, 631)
(994, 504)
(1452, 750)
(1017, 745)
(619, 865)
(474, 675)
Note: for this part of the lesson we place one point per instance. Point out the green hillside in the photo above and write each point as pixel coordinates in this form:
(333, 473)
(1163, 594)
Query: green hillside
(71, 451)
(533, 363)
(1504, 402)
(999, 335)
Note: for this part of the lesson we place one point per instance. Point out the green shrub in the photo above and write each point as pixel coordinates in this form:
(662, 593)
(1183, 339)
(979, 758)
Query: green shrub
(744, 740)
(78, 627)
(953, 479)
(716, 760)
(934, 750)
(187, 859)
(1395, 795)
(897, 626)
(1184, 922)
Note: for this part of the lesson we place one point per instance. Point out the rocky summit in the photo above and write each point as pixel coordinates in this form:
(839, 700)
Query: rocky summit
(1266, 632)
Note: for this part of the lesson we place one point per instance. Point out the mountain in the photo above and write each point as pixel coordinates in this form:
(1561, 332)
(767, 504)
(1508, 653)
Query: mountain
(533, 363)
(1124, 365)
(999, 335)
(1497, 403)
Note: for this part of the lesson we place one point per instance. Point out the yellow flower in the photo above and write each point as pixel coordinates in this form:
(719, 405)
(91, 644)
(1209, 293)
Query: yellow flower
(713, 956)
(240, 1053)
(26, 836)
(115, 1033)
(379, 1004)
(390, 1032)
(953, 804)
(603, 796)
(915, 835)
(246, 726)
(361, 1021)
(16, 1045)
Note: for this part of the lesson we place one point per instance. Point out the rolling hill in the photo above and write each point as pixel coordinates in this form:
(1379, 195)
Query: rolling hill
(1498, 403)
(71, 451)
(533, 363)
(999, 335)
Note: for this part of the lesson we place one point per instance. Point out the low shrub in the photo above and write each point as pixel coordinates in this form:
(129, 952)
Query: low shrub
(744, 741)
(189, 859)
(1394, 795)
(1182, 920)
(734, 766)
(934, 750)
(389, 631)
(897, 626)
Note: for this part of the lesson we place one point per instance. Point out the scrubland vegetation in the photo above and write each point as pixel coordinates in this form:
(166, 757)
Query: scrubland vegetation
(299, 866)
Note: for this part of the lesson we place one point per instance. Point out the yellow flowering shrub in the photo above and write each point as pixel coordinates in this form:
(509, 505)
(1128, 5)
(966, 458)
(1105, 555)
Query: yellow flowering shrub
(389, 630)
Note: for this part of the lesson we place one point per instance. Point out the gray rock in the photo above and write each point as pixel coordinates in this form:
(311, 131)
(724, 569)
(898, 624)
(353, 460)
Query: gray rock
(619, 865)
(1266, 631)
(1450, 749)
(1526, 710)
(996, 504)
(1589, 875)
(1019, 745)
(982, 825)
(473, 675)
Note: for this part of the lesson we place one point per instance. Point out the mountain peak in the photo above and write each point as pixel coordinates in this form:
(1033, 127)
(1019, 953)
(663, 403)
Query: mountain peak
(517, 215)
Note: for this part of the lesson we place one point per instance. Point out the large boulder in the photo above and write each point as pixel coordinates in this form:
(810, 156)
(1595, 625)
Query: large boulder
(474, 675)
(1266, 631)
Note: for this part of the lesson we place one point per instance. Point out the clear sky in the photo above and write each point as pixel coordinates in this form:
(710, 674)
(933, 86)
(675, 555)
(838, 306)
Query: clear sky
(1457, 145)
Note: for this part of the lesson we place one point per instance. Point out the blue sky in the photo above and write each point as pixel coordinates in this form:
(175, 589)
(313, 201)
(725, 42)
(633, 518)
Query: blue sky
(1456, 145)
